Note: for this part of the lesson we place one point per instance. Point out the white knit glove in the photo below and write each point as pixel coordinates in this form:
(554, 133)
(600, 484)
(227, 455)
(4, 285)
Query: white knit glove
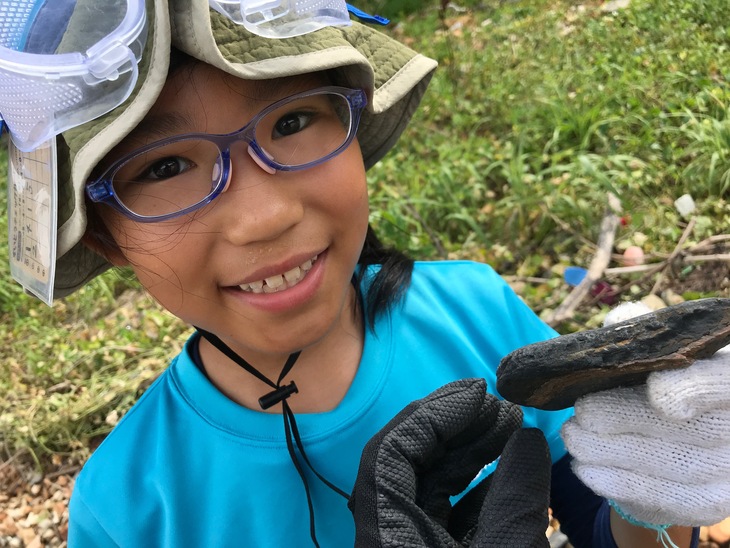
(661, 451)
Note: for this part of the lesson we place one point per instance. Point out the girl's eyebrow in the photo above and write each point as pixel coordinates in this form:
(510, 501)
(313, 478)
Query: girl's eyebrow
(160, 126)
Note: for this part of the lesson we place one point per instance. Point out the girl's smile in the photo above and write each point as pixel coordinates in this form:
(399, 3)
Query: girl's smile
(280, 282)
(280, 292)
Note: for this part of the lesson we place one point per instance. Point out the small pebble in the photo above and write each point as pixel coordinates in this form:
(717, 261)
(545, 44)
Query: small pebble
(633, 256)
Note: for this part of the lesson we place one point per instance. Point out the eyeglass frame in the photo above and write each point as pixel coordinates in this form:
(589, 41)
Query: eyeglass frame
(101, 190)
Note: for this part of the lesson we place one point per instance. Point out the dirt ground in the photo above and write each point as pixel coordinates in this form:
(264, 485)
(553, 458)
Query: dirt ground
(35, 515)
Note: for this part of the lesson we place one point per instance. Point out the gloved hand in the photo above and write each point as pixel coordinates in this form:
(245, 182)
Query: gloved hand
(661, 451)
(432, 450)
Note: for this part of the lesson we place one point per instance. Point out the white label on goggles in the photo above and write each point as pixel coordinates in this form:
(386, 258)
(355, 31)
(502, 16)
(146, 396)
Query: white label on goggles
(32, 206)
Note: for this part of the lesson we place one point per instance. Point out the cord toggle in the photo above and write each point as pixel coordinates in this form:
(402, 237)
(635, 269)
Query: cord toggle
(278, 395)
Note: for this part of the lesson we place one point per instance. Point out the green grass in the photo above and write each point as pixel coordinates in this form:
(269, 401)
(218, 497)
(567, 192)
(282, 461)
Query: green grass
(68, 372)
(538, 109)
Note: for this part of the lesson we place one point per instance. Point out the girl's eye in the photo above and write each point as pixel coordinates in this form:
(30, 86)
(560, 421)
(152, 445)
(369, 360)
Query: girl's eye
(291, 123)
(166, 168)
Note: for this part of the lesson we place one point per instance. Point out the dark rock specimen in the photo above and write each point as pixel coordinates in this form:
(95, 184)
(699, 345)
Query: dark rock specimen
(553, 374)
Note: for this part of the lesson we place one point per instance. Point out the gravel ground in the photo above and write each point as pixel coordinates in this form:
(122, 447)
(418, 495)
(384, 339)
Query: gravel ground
(36, 515)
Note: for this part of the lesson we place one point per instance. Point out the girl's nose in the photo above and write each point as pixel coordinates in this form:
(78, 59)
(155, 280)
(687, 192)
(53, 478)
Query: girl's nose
(258, 203)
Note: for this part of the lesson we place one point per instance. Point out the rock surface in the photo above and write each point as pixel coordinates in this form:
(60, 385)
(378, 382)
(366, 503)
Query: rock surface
(553, 374)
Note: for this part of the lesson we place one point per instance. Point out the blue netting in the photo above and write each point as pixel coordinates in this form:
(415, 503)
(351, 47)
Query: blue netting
(34, 26)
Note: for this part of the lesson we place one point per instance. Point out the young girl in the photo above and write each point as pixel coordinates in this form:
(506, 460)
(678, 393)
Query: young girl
(233, 182)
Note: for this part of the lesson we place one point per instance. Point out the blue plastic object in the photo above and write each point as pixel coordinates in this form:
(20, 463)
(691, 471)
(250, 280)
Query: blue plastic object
(574, 275)
(366, 17)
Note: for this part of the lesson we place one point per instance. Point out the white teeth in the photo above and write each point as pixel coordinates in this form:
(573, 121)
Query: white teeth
(257, 287)
(275, 281)
(292, 275)
(280, 282)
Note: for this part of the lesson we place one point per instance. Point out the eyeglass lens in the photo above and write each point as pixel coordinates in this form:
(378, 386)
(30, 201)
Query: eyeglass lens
(179, 174)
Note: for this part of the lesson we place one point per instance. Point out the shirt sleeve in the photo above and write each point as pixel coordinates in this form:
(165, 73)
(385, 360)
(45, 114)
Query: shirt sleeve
(83, 529)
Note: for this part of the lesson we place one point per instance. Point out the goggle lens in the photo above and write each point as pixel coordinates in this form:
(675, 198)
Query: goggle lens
(62, 65)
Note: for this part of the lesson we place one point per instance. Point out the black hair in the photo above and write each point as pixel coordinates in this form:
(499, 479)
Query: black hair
(179, 59)
(389, 284)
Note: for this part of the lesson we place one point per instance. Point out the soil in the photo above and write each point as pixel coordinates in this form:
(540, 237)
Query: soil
(34, 511)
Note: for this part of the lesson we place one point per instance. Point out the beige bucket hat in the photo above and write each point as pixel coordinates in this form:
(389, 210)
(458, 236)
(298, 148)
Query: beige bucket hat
(393, 76)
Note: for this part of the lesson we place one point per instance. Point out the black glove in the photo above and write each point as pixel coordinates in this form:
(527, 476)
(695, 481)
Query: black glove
(432, 450)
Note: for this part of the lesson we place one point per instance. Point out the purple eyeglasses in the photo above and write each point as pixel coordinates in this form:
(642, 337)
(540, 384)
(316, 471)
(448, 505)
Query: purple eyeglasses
(180, 174)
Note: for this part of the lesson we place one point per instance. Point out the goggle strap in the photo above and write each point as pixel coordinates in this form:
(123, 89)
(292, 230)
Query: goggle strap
(366, 17)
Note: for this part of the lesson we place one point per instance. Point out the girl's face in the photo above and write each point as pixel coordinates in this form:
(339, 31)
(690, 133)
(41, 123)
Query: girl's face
(301, 231)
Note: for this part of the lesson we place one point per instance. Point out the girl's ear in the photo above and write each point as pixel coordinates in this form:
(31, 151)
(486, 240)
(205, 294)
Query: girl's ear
(109, 250)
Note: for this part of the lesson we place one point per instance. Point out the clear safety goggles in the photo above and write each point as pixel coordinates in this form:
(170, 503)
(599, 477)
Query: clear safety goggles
(284, 18)
(65, 62)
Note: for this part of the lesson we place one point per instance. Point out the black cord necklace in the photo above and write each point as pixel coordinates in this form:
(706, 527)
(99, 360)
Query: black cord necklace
(279, 394)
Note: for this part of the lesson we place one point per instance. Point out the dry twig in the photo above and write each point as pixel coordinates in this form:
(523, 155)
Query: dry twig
(677, 249)
(597, 267)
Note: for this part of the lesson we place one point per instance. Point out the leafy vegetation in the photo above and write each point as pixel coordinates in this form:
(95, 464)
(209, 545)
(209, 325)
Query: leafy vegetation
(537, 111)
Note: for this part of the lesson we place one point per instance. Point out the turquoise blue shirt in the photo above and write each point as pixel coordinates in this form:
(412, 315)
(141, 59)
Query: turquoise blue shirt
(186, 466)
